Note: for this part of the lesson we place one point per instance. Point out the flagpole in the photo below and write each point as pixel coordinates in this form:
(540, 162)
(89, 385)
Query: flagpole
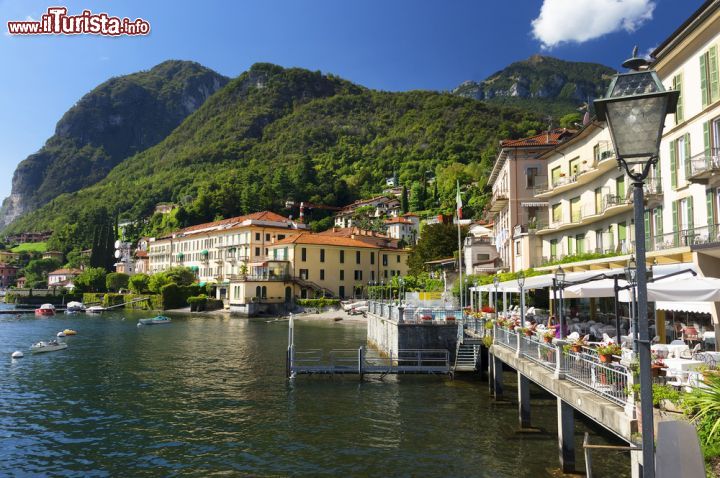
(458, 215)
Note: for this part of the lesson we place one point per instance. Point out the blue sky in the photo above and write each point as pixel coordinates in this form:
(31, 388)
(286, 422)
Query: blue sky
(390, 45)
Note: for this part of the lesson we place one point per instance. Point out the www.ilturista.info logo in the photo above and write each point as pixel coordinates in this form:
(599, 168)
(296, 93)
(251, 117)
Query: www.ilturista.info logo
(57, 22)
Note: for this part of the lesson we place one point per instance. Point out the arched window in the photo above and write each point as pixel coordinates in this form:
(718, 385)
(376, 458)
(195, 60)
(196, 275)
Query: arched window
(264, 292)
(258, 291)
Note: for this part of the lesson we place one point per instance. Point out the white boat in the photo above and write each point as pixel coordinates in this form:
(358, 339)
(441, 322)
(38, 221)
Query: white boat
(358, 310)
(95, 309)
(45, 310)
(348, 306)
(74, 306)
(17, 354)
(159, 320)
(61, 334)
(50, 346)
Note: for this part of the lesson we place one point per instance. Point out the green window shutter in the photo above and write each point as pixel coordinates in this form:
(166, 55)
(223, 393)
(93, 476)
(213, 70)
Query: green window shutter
(677, 86)
(673, 166)
(706, 137)
(691, 221)
(659, 221)
(709, 206)
(703, 81)
(713, 70)
(571, 246)
(676, 235)
(687, 155)
(647, 231)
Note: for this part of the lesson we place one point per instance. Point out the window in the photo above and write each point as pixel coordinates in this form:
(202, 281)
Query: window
(358, 275)
(342, 274)
(258, 291)
(575, 213)
(267, 237)
(257, 251)
(398, 258)
(599, 241)
(709, 76)
(571, 245)
(532, 174)
(386, 273)
(677, 86)
(620, 187)
(372, 276)
(580, 243)
(341, 292)
(574, 166)
(280, 237)
(598, 201)
(553, 249)
(555, 175)
(322, 255)
(342, 257)
(679, 159)
(264, 292)
(303, 254)
(304, 274)
(482, 257)
(518, 247)
(257, 236)
(357, 257)
(385, 260)
(557, 212)
(372, 258)
(322, 274)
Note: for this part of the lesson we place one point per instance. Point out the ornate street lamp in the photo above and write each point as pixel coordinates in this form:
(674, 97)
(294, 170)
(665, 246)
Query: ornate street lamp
(475, 283)
(521, 285)
(382, 290)
(559, 281)
(496, 283)
(635, 107)
(631, 278)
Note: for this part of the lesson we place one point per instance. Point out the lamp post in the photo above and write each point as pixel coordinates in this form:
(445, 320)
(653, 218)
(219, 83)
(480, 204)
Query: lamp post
(496, 283)
(521, 285)
(477, 307)
(401, 291)
(631, 278)
(559, 280)
(635, 107)
(382, 291)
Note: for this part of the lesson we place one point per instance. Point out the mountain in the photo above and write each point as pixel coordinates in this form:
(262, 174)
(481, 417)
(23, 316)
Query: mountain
(542, 84)
(119, 118)
(274, 134)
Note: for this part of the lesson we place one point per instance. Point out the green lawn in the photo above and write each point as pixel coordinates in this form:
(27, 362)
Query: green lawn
(30, 247)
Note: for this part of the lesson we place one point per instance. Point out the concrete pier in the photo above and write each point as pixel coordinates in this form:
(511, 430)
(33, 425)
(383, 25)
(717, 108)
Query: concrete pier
(523, 401)
(388, 335)
(566, 435)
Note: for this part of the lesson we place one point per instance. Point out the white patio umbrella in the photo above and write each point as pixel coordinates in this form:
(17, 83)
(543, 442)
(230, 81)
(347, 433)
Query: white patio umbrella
(685, 289)
(598, 288)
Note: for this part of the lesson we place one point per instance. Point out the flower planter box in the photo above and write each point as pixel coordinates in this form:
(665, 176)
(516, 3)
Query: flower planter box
(450, 319)
(606, 358)
(576, 348)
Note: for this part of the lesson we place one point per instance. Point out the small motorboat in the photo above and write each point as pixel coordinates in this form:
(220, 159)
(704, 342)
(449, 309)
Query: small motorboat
(69, 332)
(46, 310)
(74, 307)
(17, 354)
(95, 309)
(49, 346)
(159, 320)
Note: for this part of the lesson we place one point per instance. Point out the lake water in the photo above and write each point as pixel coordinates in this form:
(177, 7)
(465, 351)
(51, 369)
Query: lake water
(207, 396)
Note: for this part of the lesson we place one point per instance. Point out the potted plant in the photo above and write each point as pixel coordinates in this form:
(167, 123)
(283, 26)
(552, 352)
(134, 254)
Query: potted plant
(607, 351)
(426, 319)
(450, 318)
(527, 331)
(548, 337)
(577, 344)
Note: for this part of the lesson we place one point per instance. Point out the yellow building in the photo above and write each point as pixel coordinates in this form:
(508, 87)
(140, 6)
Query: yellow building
(335, 263)
(7, 257)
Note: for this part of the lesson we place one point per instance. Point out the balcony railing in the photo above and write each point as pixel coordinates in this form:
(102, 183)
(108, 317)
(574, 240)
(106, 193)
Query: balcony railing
(704, 165)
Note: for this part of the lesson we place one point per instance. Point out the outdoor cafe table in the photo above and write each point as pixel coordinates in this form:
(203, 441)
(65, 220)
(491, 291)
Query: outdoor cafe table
(681, 365)
(675, 350)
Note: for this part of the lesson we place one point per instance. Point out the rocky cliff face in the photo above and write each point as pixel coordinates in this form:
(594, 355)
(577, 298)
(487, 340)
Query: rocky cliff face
(121, 117)
(541, 77)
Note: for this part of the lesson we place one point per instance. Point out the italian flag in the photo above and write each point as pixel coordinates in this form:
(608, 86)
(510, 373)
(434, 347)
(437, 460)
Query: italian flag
(458, 199)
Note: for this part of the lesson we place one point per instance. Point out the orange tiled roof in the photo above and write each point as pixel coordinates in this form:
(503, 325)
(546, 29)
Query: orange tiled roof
(58, 272)
(141, 254)
(546, 138)
(257, 216)
(325, 239)
(398, 220)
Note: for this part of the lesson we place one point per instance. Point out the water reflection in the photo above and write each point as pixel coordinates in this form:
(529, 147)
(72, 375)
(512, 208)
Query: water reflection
(208, 395)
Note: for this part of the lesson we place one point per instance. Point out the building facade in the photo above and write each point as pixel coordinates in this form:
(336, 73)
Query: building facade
(8, 274)
(405, 228)
(378, 207)
(221, 250)
(63, 277)
(518, 173)
(480, 256)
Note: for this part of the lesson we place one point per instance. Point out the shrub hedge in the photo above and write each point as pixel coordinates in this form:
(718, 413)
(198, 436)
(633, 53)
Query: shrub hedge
(318, 302)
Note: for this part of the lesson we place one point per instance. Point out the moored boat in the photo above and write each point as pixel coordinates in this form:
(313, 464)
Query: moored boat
(49, 346)
(159, 320)
(74, 307)
(69, 332)
(95, 309)
(45, 310)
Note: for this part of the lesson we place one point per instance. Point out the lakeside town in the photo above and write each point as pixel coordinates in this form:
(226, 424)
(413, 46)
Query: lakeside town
(590, 277)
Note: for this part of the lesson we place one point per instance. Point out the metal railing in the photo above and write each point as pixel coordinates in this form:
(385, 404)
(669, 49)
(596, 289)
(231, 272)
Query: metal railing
(705, 162)
(609, 380)
(410, 314)
(360, 361)
(506, 337)
(541, 352)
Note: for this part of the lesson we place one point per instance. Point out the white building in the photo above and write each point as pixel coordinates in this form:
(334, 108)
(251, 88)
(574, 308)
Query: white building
(404, 228)
(378, 207)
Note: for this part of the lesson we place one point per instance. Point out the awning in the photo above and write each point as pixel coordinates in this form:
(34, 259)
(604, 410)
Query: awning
(534, 204)
(699, 307)
(597, 288)
(685, 288)
(545, 280)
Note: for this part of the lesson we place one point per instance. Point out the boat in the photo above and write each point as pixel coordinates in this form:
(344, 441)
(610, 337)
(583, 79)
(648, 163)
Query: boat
(95, 309)
(358, 310)
(159, 320)
(45, 310)
(61, 334)
(50, 346)
(74, 307)
(350, 305)
(17, 354)
(69, 332)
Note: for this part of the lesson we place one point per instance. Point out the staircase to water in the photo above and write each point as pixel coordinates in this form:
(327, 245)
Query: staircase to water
(467, 355)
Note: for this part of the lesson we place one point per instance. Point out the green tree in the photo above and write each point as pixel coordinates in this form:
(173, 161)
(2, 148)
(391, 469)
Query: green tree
(76, 259)
(569, 120)
(404, 204)
(157, 281)
(36, 271)
(437, 241)
(417, 198)
(138, 283)
(115, 281)
(180, 275)
(91, 279)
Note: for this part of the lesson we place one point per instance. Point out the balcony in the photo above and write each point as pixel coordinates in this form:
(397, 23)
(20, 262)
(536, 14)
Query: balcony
(653, 193)
(704, 167)
(499, 200)
(696, 238)
(585, 173)
(259, 277)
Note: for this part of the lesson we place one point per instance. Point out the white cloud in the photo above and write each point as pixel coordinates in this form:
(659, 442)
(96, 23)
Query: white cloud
(564, 21)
